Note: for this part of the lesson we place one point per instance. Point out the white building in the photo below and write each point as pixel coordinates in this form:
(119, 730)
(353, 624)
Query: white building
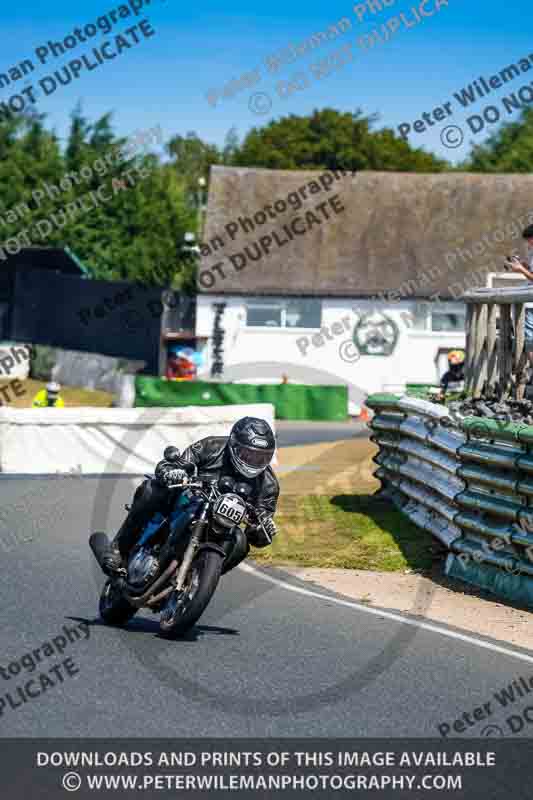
(357, 280)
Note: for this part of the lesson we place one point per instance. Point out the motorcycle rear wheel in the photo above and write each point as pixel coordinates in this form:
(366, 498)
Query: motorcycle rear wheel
(114, 609)
(183, 609)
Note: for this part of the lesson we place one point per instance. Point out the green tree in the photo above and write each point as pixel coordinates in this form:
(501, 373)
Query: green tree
(79, 133)
(332, 140)
(509, 149)
(192, 159)
(145, 241)
(30, 156)
(231, 147)
(137, 234)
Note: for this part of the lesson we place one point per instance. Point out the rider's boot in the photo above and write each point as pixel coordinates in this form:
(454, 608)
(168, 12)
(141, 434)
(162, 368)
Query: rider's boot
(147, 499)
(114, 559)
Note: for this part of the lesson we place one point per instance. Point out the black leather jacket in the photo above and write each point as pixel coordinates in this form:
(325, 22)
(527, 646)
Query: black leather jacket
(453, 380)
(213, 461)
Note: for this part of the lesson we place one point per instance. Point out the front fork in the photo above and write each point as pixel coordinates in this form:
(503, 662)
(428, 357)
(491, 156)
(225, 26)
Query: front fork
(196, 539)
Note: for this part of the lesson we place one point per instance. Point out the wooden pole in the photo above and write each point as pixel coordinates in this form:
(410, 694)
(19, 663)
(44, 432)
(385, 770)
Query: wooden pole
(492, 351)
(504, 350)
(499, 295)
(469, 370)
(519, 355)
(479, 348)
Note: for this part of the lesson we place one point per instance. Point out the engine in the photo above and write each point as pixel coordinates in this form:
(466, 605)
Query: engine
(143, 568)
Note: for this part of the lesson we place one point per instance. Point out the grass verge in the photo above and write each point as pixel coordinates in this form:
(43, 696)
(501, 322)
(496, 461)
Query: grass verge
(348, 532)
(328, 514)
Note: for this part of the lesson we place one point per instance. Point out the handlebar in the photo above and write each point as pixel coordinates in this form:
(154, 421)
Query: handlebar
(200, 486)
(187, 484)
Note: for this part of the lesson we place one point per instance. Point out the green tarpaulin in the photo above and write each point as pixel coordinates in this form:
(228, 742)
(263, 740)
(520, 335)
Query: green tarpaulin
(291, 401)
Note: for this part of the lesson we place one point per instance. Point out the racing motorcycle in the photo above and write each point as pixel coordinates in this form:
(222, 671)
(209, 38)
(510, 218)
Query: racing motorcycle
(177, 563)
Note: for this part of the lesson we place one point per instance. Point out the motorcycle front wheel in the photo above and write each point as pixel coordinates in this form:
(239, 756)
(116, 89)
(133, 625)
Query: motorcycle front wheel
(183, 609)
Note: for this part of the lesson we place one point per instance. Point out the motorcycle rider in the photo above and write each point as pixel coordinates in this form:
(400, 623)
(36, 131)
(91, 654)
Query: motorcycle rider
(243, 456)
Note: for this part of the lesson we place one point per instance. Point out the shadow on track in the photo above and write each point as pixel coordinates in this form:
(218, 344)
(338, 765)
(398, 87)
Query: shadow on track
(140, 625)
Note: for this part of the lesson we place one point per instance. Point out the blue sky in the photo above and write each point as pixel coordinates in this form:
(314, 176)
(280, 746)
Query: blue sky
(165, 79)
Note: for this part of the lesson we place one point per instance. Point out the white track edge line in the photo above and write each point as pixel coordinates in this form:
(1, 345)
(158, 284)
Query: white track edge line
(389, 615)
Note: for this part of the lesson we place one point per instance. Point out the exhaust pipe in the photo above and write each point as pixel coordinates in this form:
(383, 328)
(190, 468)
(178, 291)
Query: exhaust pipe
(99, 543)
(139, 602)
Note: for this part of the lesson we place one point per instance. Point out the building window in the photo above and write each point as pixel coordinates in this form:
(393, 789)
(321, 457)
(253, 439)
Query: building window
(433, 318)
(417, 319)
(266, 315)
(448, 321)
(290, 313)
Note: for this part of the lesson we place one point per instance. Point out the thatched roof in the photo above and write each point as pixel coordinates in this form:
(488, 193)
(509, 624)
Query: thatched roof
(399, 231)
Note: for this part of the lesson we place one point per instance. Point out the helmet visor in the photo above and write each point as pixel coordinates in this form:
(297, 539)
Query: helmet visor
(252, 457)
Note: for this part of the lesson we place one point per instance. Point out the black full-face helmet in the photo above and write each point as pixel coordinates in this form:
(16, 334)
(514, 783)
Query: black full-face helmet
(251, 446)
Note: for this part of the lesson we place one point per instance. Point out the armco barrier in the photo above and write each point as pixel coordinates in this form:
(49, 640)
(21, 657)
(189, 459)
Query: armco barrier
(468, 483)
(44, 441)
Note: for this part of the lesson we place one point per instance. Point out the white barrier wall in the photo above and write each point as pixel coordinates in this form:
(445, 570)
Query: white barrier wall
(110, 440)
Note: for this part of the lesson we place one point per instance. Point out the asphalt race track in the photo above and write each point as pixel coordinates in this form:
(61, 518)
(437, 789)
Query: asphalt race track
(290, 434)
(267, 659)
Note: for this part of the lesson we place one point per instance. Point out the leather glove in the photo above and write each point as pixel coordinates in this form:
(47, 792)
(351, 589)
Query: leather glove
(269, 527)
(175, 476)
(166, 474)
(261, 535)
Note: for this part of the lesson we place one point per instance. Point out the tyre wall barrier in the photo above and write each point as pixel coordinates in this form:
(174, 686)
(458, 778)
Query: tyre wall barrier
(468, 482)
(93, 441)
